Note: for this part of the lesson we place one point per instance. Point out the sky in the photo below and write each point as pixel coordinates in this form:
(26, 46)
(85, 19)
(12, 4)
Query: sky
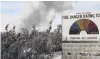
(14, 13)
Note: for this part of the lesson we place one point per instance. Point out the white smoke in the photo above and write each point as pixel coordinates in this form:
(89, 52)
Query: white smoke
(39, 15)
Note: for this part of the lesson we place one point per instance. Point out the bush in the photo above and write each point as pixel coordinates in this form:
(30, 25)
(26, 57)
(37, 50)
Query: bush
(36, 45)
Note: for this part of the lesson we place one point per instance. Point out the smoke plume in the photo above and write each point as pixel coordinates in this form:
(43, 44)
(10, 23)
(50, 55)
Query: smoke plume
(40, 14)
